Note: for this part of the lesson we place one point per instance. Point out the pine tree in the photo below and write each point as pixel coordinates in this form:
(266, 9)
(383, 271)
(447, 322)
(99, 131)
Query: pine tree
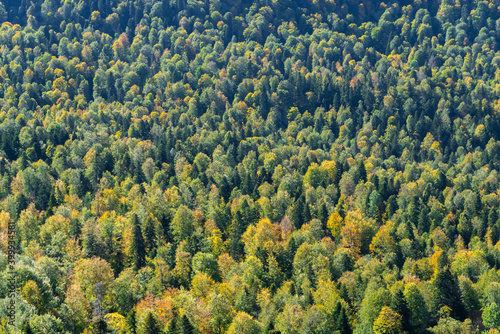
(138, 248)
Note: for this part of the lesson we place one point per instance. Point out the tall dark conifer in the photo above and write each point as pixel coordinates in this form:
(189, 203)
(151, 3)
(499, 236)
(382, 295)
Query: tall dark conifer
(138, 247)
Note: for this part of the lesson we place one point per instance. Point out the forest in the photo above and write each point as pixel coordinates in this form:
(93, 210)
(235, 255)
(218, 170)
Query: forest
(249, 166)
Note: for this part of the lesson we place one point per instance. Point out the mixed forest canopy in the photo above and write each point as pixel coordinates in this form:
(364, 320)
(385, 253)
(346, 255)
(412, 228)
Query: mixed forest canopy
(267, 166)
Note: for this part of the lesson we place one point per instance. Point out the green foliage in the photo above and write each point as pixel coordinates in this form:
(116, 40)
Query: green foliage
(491, 316)
(225, 166)
(138, 248)
(151, 325)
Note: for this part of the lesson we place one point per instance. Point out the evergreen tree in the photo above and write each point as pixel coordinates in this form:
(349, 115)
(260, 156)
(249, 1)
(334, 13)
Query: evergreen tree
(246, 301)
(185, 326)
(360, 174)
(323, 214)
(50, 205)
(307, 213)
(447, 293)
(172, 327)
(237, 230)
(100, 326)
(138, 249)
(297, 215)
(150, 236)
(423, 223)
(343, 322)
(151, 324)
(132, 321)
(399, 305)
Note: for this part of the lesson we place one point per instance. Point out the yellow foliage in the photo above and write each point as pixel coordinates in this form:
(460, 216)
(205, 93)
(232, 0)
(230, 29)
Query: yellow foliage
(357, 232)
(116, 321)
(216, 242)
(335, 223)
(262, 236)
(383, 243)
(351, 238)
(88, 272)
(202, 285)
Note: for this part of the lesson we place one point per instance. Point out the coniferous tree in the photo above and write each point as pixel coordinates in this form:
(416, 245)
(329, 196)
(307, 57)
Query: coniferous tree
(173, 327)
(185, 326)
(343, 322)
(399, 305)
(151, 324)
(100, 326)
(132, 321)
(323, 214)
(149, 235)
(297, 215)
(236, 232)
(446, 289)
(138, 248)
(360, 170)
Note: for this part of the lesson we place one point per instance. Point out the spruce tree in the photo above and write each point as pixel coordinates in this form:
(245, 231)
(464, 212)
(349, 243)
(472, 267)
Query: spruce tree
(399, 305)
(151, 324)
(149, 235)
(343, 322)
(185, 326)
(446, 289)
(236, 232)
(138, 248)
(298, 212)
(360, 174)
(323, 214)
(132, 321)
(172, 327)
(307, 213)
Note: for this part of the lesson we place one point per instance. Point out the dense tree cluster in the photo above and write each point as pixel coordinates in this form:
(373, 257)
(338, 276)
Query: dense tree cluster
(251, 166)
